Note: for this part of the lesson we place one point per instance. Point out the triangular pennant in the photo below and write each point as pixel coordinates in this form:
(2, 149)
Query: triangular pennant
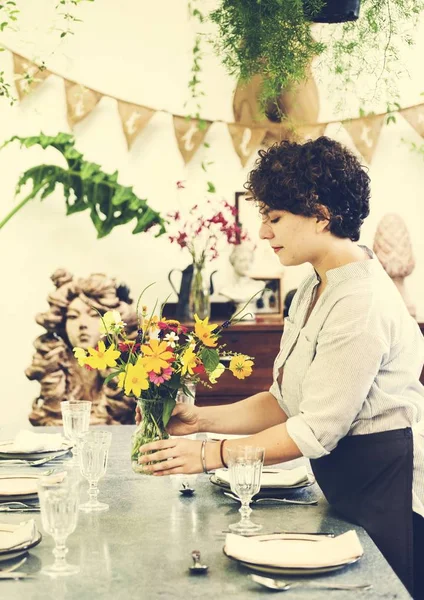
(134, 118)
(80, 101)
(365, 133)
(310, 132)
(245, 140)
(415, 117)
(189, 135)
(28, 75)
(278, 133)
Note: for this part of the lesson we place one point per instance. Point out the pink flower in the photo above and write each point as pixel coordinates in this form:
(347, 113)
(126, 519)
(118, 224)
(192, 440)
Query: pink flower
(180, 185)
(157, 379)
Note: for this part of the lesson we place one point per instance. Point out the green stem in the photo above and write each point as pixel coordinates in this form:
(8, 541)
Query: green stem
(18, 207)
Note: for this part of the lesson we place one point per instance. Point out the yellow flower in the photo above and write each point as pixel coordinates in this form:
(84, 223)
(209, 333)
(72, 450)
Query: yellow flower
(216, 373)
(241, 366)
(156, 356)
(151, 324)
(134, 379)
(204, 332)
(188, 360)
(81, 356)
(111, 322)
(101, 358)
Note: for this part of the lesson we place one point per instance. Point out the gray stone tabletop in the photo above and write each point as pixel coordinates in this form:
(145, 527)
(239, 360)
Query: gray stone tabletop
(141, 548)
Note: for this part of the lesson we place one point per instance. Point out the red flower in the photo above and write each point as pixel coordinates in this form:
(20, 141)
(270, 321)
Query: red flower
(180, 185)
(199, 369)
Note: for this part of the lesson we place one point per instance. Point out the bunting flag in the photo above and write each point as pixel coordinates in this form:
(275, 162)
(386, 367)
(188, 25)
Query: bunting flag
(190, 134)
(134, 118)
(365, 132)
(80, 101)
(28, 75)
(415, 117)
(247, 136)
(245, 140)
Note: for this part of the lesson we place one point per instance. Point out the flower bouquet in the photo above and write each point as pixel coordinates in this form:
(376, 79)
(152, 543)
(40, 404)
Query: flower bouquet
(164, 358)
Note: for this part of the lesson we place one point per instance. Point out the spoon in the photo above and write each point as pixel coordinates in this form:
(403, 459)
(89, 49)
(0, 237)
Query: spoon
(283, 586)
(283, 500)
(197, 567)
(186, 490)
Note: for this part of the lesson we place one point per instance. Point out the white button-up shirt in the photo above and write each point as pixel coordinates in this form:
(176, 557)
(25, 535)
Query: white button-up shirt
(354, 367)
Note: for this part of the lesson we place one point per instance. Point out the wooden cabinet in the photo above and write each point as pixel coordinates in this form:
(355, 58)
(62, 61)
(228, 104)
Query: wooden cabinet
(260, 340)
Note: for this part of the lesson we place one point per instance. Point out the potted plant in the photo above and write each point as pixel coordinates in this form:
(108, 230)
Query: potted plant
(273, 38)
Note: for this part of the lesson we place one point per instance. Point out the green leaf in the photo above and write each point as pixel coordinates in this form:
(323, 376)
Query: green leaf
(85, 187)
(168, 407)
(210, 359)
(211, 187)
(111, 376)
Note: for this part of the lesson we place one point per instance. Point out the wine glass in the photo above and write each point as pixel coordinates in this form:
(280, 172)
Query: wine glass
(76, 421)
(245, 469)
(59, 514)
(94, 449)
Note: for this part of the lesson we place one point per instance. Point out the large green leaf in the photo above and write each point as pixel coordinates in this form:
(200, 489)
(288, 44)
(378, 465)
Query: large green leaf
(85, 187)
(210, 359)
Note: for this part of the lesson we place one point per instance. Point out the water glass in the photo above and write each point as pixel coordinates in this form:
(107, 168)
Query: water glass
(59, 515)
(94, 450)
(76, 421)
(245, 469)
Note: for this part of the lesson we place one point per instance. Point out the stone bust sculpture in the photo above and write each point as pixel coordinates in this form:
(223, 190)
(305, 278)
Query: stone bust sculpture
(72, 321)
(242, 286)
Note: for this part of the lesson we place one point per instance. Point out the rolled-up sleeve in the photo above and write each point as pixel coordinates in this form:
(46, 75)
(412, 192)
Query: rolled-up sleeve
(349, 355)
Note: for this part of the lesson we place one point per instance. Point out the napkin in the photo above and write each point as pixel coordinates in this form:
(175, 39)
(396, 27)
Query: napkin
(292, 553)
(27, 441)
(16, 535)
(281, 477)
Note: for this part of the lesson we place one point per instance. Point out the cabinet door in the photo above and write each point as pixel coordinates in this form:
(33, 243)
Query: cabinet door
(263, 346)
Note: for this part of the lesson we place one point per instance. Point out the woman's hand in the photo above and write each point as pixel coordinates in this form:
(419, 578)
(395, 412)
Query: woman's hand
(175, 456)
(184, 419)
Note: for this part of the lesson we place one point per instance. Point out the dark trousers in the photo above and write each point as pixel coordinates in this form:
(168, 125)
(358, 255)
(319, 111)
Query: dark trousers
(418, 524)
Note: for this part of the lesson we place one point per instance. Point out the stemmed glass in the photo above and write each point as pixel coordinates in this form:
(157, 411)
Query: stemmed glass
(245, 468)
(76, 421)
(59, 514)
(94, 450)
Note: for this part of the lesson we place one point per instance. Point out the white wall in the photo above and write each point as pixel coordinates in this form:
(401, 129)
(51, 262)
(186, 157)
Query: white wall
(141, 53)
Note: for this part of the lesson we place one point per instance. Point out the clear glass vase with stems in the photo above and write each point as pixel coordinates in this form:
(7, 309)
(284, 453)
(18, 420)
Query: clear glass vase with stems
(76, 421)
(199, 298)
(150, 429)
(245, 469)
(59, 502)
(94, 451)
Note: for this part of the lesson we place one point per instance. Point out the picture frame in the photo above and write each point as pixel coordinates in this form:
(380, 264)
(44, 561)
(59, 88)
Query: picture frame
(270, 303)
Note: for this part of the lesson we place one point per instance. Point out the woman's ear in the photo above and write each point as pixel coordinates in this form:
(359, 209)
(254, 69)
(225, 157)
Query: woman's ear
(322, 218)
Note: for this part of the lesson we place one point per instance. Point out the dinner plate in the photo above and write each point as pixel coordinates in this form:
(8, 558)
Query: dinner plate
(268, 491)
(306, 571)
(18, 486)
(7, 451)
(17, 551)
(23, 497)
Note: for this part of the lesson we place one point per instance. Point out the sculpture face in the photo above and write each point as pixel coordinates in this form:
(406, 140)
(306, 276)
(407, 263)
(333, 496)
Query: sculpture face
(82, 324)
(242, 260)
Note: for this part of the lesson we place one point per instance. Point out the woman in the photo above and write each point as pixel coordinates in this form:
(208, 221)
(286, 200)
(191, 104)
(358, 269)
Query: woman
(73, 320)
(346, 391)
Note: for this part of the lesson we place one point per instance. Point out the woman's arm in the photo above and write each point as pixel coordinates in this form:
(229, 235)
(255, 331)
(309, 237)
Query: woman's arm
(248, 416)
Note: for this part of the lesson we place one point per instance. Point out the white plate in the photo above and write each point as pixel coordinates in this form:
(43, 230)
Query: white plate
(7, 451)
(306, 571)
(20, 550)
(268, 491)
(18, 486)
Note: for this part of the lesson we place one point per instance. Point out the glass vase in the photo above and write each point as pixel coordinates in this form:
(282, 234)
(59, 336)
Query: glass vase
(199, 299)
(150, 429)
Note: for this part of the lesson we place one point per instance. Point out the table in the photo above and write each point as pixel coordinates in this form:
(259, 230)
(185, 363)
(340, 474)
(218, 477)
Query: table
(141, 548)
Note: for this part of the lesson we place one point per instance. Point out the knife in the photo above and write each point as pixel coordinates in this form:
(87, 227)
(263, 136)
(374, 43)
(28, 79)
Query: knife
(15, 575)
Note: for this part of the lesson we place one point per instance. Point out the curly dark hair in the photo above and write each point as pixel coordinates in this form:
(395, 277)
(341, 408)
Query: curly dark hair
(304, 178)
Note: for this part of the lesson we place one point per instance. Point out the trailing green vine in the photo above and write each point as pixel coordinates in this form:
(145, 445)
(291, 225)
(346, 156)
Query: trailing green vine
(85, 187)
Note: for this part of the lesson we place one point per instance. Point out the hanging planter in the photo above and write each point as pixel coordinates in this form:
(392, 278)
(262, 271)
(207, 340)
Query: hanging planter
(336, 11)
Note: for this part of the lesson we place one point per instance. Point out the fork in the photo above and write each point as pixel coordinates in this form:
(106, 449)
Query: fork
(283, 586)
(282, 500)
(32, 463)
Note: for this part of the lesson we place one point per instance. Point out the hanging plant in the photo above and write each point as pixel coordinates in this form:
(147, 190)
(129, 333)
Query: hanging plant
(273, 38)
(86, 187)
